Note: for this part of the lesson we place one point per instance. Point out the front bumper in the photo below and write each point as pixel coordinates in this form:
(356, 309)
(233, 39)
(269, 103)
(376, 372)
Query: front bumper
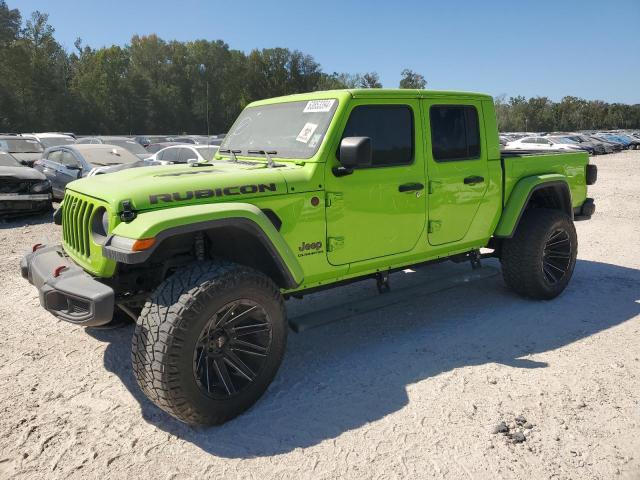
(11, 204)
(73, 295)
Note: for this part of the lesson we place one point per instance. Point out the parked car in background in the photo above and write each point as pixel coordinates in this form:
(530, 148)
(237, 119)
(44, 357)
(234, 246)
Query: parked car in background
(183, 153)
(156, 147)
(54, 139)
(146, 140)
(633, 143)
(616, 146)
(194, 139)
(565, 140)
(123, 142)
(599, 147)
(26, 149)
(23, 190)
(66, 163)
(541, 143)
(613, 138)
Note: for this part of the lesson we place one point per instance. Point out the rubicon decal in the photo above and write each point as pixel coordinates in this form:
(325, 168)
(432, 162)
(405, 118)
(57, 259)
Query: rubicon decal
(212, 192)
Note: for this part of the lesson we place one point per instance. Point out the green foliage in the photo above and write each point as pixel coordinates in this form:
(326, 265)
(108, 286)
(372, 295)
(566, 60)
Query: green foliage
(411, 79)
(539, 114)
(154, 86)
(369, 80)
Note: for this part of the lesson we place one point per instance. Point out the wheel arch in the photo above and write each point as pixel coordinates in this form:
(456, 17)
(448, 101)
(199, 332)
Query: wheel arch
(239, 232)
(542, 191)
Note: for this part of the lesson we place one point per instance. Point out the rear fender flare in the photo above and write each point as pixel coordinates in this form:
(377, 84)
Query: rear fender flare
(521, 195)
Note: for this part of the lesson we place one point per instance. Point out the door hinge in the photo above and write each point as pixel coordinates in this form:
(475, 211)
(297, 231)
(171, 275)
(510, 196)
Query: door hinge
(334, 199)
(434, 226)
(335, 243)
(434, 185)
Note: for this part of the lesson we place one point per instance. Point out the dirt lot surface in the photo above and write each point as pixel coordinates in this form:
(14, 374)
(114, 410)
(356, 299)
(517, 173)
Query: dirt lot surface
(413, 390)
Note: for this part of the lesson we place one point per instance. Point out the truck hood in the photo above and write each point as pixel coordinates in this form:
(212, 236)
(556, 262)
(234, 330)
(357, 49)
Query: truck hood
(173, 185)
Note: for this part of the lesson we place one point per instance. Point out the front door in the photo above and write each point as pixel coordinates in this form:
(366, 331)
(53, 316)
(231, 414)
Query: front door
(457, 167)
(381, 210)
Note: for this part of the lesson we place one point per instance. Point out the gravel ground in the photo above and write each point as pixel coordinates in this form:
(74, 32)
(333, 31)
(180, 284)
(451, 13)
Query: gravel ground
(408, 391)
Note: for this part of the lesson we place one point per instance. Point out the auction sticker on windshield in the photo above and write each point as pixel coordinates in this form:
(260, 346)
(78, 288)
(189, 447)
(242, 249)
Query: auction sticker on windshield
(306, 132)
(316, 106)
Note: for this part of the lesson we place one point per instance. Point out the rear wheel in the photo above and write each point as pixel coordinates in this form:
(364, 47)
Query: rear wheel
(209, 341)
(538, 261)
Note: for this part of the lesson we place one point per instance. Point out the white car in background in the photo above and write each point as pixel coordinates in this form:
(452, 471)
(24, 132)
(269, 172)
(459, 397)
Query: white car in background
(185, 153)
(49, 140)
(541, 143)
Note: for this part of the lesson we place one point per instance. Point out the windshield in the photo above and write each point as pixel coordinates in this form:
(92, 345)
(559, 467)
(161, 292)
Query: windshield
(7, 160)
(293, 129)
(20, 145)
(55, 141)
(132, 146)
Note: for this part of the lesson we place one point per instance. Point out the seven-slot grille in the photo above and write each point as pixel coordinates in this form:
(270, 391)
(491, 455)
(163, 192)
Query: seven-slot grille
(76, 223)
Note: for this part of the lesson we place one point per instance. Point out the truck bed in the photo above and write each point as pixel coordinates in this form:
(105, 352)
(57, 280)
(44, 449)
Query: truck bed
(523, 163)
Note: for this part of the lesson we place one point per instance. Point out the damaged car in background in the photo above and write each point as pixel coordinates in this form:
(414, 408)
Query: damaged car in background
(23, 190)
(26, 149)
(66, 163)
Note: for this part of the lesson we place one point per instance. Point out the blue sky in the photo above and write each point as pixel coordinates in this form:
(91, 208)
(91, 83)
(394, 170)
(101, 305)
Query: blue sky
(585, 48)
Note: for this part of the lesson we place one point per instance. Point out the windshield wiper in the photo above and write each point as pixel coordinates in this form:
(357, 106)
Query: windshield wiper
(232, 154)
(267, 155)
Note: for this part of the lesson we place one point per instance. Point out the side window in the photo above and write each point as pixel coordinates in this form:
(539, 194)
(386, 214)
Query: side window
(390, 128)
(542, 141)
(170, 155)
(186, 154)
(529, 140)
(455, 133)
(55, 156)
(68, 160)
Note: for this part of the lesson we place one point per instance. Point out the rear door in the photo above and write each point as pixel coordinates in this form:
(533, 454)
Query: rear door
(457, 167)
(380, 210)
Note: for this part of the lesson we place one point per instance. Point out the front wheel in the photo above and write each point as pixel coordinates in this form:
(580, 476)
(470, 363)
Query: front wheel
(209, 342)
(538, 261)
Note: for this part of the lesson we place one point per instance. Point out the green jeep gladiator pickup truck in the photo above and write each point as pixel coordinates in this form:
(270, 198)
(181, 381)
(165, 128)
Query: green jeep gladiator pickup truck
(306, 192)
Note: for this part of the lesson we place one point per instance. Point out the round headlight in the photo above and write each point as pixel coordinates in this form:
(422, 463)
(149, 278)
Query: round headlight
(40, 187)
(100, 225)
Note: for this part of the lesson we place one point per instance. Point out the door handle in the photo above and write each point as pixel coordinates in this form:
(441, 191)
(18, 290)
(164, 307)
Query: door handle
(410, 187)
(473, 180)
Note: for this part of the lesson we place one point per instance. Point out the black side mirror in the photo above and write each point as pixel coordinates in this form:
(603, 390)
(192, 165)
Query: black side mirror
(355, 152)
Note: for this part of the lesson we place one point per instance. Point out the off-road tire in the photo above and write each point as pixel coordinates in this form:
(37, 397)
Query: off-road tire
(522, 255)
(169, 327)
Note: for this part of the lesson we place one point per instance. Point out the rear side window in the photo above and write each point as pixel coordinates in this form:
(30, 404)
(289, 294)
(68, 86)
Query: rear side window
(390, 128)
(185, 155)
(455, 133)
(170, 155)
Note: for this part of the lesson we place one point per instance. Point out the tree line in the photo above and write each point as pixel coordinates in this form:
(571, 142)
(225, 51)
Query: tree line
(157, 86)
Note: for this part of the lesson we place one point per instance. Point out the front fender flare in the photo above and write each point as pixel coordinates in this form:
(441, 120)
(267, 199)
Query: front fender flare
(520, 196)
(165, 223)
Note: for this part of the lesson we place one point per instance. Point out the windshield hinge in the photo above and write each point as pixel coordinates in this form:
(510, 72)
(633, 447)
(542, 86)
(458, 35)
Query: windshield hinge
(128, 214)
(334, 199)
(335, 243)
